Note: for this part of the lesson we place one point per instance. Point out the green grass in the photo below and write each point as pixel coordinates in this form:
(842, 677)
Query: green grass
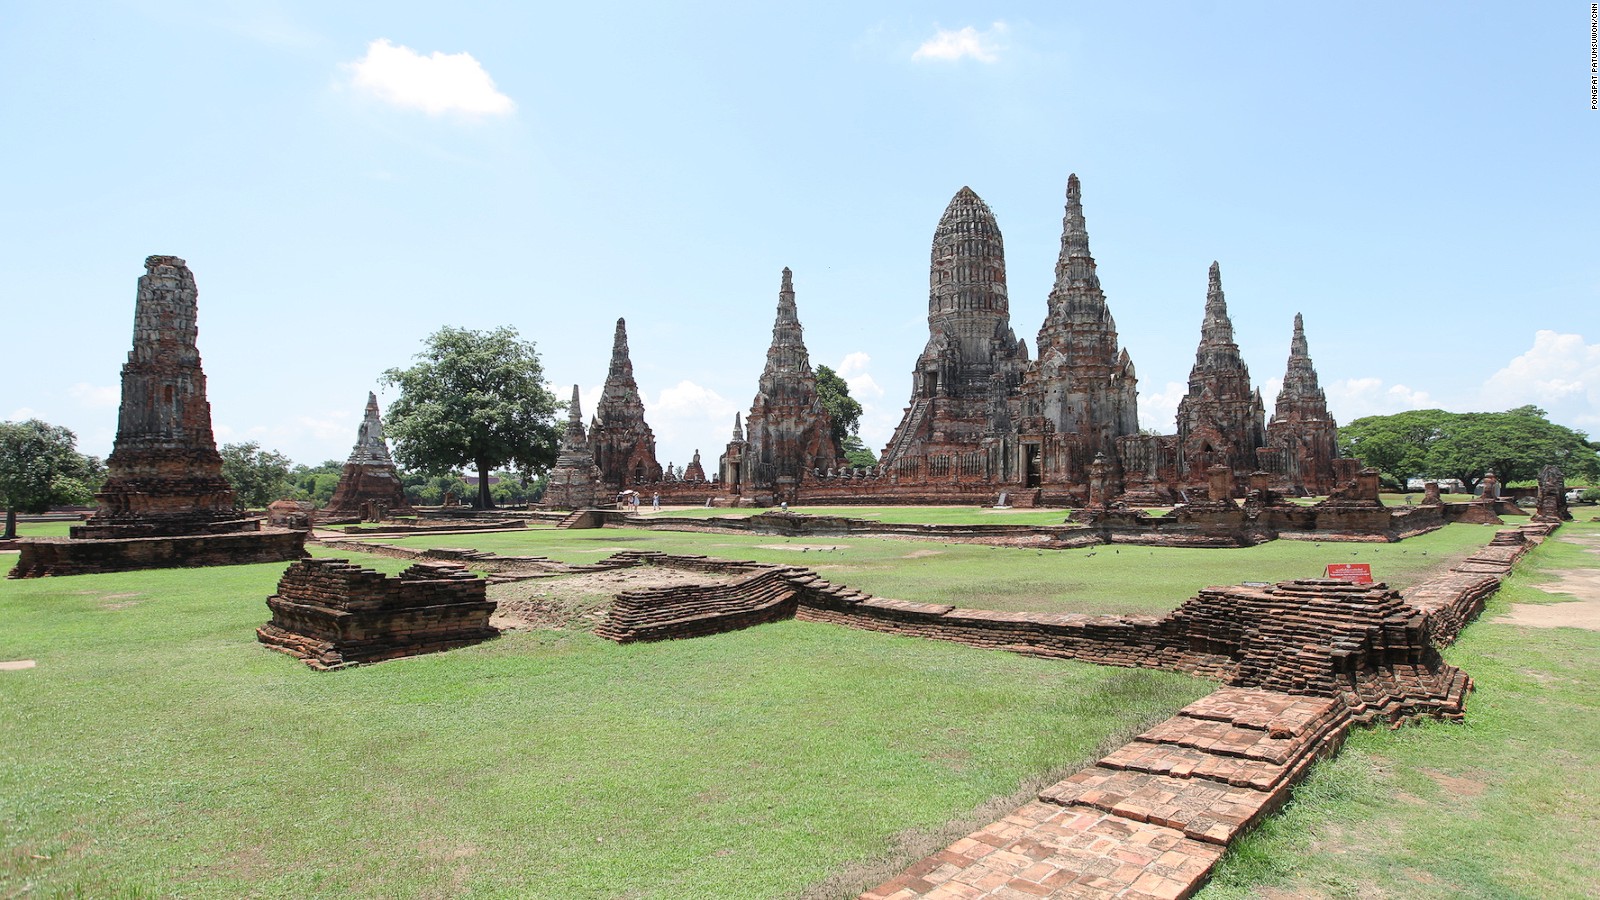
(44, 529)
(1505, 805)
(158, 750)
(1145, 580)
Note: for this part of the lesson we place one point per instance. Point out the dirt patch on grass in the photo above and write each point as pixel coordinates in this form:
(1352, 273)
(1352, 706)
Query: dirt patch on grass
(1575, 614)
(16, 665)
(579, 601)
(804, 548)
(918, 554)
(1455, 785)
(1584, 584)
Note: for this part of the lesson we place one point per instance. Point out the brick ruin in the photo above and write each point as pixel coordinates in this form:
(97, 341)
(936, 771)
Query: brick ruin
(574, 479)
(164, 484)
(787, 432)
(1552, 497)
(1303, 662)
(621, 441)
(369, 486)
(331, 613)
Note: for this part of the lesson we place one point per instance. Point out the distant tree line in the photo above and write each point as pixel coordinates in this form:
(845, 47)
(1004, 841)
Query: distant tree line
(1433, 443)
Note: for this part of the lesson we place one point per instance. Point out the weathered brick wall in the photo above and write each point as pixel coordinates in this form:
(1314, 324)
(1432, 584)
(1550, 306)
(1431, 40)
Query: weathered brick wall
(332, 613)
(66, 556)
(656, 614)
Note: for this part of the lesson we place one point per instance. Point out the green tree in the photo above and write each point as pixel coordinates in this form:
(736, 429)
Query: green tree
(258, 476)
(856, 452)
(317, 483)
(1398, 444)
(1433, 443)
(40, 467)
(834, 393)
(473, 398)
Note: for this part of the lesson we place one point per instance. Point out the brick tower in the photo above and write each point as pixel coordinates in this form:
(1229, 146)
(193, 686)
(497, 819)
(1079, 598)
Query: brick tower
(369, 475)
(164, 472)
(1221, 421)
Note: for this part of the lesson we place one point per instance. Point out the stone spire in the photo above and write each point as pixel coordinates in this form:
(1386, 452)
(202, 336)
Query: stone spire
(164, 475)
(575, 434)
(1302, 429)
(575, 478)
(1221, 420)
(1083, 382)
(371, 446)
(787, 359)
(972, 360)
(369, 485)
(738, 429)
(788, 431)
(623, 444)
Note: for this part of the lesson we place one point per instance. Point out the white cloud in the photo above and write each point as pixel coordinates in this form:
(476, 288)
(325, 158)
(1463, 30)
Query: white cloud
(22, 414)
(1354, 398)
(95, 396)
(1158, 410)
(969, 42)
(436, 84)
(1559, 373)
(686, 415)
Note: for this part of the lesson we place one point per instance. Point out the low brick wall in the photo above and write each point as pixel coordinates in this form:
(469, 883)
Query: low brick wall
(332, 613)
(41, 557)
(657, 614)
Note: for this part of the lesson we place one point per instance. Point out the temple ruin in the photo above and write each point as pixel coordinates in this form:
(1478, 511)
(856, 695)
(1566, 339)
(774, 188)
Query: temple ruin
(621, 441)
(575, 477)
(369, 486)
(985, 419)
(165, 502)
(788, 433)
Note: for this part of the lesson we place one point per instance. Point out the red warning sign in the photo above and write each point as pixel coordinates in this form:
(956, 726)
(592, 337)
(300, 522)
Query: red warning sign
(1357, 573)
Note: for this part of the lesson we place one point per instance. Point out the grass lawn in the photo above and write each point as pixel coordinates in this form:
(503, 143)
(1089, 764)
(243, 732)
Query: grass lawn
(1125, 580)
(44, 529)
(1505, 805)
(157, 749)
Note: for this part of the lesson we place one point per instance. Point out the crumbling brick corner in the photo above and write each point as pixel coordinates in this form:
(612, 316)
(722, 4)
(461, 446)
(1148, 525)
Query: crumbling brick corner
(332, 613)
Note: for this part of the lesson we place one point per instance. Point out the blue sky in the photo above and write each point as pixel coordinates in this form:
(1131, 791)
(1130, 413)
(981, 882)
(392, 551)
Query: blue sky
(1420, 180)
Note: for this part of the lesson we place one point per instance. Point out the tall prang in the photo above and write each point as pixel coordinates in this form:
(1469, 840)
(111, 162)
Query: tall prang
(369, 475)
(1081, 393)
(624, 447)
(787, 431)
(973, 360)
(1221, 421)
(575, 477)
(164, 475)
(1302, 438)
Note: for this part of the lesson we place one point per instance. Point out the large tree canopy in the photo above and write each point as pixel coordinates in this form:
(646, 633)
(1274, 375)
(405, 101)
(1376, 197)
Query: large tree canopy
(41, 467)
(1432, 443)
(834, 393)
(473, 398)
(258, 476)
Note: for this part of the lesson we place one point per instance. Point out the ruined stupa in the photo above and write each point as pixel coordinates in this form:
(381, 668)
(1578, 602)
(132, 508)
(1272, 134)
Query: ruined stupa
(164, 475)
(624, 447)
(1221, 421)
(1302, 438)
(369, 486)
(165, 503)
(788, 431)
(575, 476)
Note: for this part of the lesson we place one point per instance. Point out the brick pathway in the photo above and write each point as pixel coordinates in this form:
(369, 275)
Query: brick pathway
(1150, 819)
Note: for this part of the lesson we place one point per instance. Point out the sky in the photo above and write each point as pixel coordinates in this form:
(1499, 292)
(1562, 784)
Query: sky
(1421, 181)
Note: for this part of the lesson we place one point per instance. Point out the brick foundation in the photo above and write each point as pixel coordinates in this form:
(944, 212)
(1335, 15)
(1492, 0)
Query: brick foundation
(331, 613)
(69, 556)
